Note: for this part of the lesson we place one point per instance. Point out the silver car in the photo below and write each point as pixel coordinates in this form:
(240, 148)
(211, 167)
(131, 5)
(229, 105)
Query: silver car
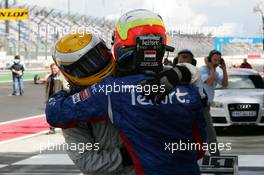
(242, 102)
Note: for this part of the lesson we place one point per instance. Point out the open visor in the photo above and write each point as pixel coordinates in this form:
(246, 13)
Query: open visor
(91, 63)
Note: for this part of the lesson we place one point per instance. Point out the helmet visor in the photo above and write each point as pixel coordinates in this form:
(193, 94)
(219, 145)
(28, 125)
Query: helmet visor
(90, 63)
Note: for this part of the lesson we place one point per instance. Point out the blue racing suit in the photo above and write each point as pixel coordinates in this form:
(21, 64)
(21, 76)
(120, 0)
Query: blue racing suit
(152, 133)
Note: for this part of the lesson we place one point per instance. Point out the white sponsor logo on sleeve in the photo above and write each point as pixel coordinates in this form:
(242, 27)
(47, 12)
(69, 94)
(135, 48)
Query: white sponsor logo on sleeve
(174, 97)
(76, 98)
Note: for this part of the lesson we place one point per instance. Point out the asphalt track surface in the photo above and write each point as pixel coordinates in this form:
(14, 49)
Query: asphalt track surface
(15, 107)
(22, 155)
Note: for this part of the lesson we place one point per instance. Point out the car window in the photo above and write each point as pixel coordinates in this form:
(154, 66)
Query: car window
(244, 82)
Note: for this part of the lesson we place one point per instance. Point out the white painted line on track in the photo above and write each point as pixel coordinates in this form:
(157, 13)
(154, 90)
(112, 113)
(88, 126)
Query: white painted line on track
(3, 165)
(251, 161)
(46, 159)
(24, 137)
(22, 119)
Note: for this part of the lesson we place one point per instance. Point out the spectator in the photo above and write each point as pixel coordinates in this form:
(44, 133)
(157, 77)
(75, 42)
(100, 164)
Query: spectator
(17, 72)
(245, 64)
(54, 82)
(209, 79)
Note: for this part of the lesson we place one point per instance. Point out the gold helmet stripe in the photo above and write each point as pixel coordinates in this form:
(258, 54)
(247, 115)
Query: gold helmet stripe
(73, 42)
(74, 54)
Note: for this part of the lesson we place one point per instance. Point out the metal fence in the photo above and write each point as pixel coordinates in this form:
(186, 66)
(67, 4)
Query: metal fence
(34, 39)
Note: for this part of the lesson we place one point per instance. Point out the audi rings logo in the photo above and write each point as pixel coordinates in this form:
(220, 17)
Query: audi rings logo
(243, 106)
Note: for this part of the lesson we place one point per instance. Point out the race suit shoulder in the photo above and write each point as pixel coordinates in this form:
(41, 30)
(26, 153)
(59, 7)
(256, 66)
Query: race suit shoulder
(61, 107)
(153, 133)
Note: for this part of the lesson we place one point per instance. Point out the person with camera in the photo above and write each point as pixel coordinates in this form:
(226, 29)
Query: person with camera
(209, 79)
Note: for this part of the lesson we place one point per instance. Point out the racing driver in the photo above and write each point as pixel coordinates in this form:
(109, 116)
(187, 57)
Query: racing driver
(152, 132)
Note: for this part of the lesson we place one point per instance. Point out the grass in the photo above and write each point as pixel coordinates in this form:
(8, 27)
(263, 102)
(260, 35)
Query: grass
(28, 75)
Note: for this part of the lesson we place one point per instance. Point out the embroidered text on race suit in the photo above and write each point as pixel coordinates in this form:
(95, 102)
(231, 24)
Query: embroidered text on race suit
(173, 97)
